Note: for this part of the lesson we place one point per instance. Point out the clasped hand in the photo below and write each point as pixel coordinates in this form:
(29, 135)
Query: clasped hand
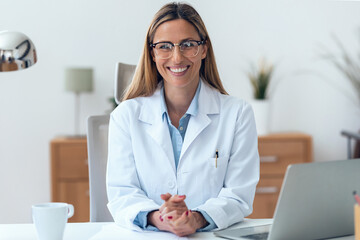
(174, 216)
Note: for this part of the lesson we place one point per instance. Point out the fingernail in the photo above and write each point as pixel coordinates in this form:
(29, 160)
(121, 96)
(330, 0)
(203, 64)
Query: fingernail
(181, 196)
(169, 217)
(187, 213)
(161, 219)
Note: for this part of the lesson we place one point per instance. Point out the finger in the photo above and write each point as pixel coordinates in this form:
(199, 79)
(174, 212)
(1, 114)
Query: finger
(182, 220)
(161, 209)
(166, 196)
(178, 198)
(175, 212)
(172, 211)
(175, 201)
(172, 204)
(171, 216)
(164, 211)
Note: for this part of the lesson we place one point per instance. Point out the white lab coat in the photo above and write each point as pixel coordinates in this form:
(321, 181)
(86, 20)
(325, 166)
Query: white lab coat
(141, 162)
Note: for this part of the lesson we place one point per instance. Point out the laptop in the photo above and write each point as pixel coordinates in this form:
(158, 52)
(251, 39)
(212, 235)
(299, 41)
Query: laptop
(316, 202)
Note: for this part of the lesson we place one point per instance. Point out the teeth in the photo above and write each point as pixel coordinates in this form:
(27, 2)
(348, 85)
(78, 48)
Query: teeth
(177, 70)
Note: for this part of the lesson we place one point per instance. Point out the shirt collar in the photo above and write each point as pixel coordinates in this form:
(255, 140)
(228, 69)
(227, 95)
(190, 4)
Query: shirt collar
(194, 105)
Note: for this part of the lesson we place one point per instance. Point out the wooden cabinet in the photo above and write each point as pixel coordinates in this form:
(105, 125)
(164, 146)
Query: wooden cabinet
(277, 151)
(69, 171)
(70, 176)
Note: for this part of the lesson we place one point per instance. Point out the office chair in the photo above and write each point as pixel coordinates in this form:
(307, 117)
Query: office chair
(123, 76)
(97, 144)
(356, 136)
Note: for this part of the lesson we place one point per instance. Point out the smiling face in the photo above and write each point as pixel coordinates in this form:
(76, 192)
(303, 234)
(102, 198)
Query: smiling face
(179, 72)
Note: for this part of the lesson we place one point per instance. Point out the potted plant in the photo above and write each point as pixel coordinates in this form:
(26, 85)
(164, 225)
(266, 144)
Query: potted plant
(349, 67)
(260, 78)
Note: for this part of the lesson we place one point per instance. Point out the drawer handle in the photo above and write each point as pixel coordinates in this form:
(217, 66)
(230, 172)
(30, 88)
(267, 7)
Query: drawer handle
(267, 190)
(268, 159)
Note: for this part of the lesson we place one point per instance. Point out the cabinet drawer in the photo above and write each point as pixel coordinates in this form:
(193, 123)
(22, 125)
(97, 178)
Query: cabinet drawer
(76, 193)
(267, 193)
(276, 156)
(72, 162)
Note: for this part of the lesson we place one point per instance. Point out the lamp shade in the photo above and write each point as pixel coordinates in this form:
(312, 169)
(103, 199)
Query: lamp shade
(16, 51)
(79, 79)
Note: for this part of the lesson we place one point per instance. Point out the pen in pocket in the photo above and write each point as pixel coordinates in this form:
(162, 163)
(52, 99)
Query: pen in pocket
(216, 157)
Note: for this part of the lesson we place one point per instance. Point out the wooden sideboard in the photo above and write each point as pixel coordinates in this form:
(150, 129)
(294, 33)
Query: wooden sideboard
(277, 151)
(70, 177)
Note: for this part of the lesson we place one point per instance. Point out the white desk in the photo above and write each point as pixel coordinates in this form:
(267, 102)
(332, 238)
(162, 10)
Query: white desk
(80, 231)
(108, 231)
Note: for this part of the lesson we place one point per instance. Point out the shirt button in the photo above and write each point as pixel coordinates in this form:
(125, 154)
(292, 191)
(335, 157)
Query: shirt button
(181, 128)
(171, 184)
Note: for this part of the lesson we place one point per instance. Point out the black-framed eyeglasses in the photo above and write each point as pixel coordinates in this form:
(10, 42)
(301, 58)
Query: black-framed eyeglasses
(188, 48)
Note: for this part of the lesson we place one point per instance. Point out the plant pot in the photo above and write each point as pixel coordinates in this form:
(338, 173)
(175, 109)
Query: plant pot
(262, 115)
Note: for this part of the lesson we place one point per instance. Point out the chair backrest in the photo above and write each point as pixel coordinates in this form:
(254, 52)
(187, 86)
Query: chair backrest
(123, 76)
(97, 142)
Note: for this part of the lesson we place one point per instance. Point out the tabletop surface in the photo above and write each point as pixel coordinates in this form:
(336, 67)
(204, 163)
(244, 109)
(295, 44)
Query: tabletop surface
(109, 231)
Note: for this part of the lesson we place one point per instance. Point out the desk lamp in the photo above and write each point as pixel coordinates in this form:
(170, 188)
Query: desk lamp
(78, 80)
(16, 51)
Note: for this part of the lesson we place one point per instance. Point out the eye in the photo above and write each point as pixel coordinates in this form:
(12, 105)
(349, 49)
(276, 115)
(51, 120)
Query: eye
(188, 44)
(164, 46)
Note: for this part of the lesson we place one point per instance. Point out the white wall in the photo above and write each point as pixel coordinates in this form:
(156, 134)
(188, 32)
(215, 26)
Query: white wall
(34, 108)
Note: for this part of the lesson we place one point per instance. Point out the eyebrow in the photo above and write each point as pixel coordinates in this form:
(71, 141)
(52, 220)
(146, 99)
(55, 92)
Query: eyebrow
(183, 40)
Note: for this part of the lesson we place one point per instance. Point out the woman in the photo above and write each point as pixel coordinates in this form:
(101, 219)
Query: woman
(182, 153)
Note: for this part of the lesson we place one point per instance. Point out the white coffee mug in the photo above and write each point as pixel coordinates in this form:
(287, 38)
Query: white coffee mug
(50, 219)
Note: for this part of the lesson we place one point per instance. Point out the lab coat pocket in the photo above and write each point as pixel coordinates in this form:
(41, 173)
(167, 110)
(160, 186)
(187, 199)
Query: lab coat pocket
(219, 162)
(214, 171)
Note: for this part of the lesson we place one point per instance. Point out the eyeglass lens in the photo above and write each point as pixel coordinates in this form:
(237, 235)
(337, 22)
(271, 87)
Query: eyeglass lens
(188, 49)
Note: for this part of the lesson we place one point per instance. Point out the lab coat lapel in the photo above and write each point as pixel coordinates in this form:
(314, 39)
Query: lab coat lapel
(159, 131)
(157, 128)
(208, 104)
(196, 125)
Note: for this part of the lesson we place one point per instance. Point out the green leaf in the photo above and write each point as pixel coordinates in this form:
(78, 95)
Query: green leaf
(348, 66)
(260, 79)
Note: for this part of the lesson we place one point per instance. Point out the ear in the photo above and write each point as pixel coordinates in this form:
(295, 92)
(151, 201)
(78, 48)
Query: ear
(204, 50)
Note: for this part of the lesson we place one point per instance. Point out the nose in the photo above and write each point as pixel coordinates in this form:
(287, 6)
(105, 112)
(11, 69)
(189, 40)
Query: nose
(177, 55)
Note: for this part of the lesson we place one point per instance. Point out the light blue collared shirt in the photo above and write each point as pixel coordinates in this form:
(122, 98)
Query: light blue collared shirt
(177, 136)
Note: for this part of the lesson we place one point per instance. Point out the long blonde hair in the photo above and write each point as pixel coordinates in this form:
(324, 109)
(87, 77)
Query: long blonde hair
(146, 77)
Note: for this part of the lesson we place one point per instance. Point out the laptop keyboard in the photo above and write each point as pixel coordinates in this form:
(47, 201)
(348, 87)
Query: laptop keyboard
(258, 236)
